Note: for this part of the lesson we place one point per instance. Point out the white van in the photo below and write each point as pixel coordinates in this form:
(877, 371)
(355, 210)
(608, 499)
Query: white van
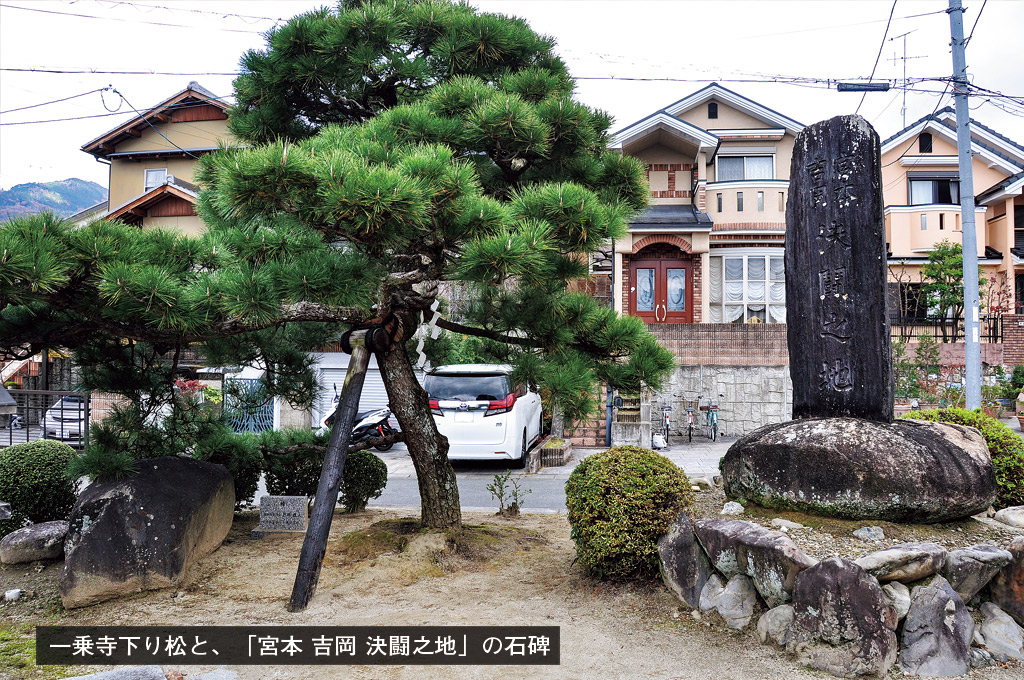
(484, 415)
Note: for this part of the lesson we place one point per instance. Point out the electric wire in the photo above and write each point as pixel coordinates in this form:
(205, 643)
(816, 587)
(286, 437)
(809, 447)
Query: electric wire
(133, 21)
(153, 126)
(116, 113)
(879, 55)
(55, 101)
(976, 19)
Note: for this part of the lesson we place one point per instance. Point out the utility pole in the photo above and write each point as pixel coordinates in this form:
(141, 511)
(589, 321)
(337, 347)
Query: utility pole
(972, 344)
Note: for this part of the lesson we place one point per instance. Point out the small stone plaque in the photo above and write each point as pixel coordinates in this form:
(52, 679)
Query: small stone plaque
(282, 515)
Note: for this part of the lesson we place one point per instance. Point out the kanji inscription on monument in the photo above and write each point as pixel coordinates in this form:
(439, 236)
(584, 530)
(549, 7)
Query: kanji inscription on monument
(838, 330)
(282, 514)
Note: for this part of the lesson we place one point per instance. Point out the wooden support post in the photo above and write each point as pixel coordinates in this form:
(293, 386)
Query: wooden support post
(315, 544)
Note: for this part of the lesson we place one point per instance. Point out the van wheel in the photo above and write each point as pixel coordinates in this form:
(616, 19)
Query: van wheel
(521, 463)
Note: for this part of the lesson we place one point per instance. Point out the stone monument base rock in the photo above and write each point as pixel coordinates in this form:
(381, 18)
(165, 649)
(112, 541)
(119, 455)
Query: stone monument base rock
(145, 531)
(905, 471)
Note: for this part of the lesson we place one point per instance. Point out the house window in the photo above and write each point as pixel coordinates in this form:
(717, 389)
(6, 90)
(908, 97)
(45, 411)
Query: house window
(782, 201)
(760, 201)
(155, 178)
(907, 302)
(745, 287)
(924, 143)
(719, 196)
(939, 190)
(924, 222)
(713, 110)
(732, 168)
(942, 221)
(739, 201)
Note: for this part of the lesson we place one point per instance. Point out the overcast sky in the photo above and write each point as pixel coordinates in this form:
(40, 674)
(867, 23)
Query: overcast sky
(630, 58)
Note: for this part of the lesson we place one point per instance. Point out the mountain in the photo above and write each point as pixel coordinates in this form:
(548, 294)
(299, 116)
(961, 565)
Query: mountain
(65, 197)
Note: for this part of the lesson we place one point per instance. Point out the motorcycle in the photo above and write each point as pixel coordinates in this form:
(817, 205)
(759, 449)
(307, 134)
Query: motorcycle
(369, 425)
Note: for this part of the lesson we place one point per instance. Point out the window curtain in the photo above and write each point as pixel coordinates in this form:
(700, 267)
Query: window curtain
(920, 192)
(730, 168)
(715, 279)
(733, 313)
(778, 313)
(759, 167)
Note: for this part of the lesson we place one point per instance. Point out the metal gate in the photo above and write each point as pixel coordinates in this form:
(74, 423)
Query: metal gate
(247, 407)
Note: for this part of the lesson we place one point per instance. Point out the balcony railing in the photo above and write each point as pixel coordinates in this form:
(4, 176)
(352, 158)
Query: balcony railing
(910, 329)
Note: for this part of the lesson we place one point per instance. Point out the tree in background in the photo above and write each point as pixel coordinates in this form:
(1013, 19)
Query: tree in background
(944, 286)
(473, 164)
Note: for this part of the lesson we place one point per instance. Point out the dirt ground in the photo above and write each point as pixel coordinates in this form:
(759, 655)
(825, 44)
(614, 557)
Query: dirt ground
(519, 572)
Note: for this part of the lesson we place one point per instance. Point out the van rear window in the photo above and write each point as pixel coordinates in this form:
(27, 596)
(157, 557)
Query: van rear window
(459, 387)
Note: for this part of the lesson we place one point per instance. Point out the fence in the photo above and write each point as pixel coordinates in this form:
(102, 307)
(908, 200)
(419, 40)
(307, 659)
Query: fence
(47, 414)
(942, 329)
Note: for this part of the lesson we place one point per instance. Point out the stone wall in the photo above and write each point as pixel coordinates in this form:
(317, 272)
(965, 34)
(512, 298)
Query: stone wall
(752, 396)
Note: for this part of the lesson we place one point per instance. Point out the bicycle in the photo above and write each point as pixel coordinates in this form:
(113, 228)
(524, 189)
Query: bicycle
(689, 423)
(665, 421)
(710, 409)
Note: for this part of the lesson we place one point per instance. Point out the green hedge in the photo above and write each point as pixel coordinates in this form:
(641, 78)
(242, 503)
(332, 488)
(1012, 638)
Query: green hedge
(1004, 445)
(33, 480)
(620, 502)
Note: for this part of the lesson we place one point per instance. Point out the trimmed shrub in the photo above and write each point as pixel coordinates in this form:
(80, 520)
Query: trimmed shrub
(620, 502)
(33, 479)
(241, 455)
(365, 477)
(1004, 445)
(290, 468)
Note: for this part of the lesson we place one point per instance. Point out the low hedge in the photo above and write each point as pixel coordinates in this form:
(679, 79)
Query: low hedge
(1004, 445)
(34, 480)
(620, 502)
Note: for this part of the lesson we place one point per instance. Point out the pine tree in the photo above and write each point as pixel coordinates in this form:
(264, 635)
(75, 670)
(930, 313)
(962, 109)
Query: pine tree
(466, 161)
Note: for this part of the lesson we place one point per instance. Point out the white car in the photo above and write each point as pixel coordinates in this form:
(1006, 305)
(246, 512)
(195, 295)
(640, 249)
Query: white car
(66, 419)
(483, 414)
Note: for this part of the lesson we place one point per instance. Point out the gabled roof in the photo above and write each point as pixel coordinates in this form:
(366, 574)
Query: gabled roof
(99, 210)
(172, 188)
(1011, 186)
(994, 148)
(737, 101)
(660, 120)
(193, 95)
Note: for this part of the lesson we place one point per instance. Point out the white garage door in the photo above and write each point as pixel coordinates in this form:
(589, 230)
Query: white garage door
(332, 379)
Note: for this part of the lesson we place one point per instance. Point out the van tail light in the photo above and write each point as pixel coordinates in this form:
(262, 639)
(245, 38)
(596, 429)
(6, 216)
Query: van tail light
(435, 408)
(503, 406)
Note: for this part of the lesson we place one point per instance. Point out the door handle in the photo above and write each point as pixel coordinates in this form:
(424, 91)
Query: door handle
(656, 313)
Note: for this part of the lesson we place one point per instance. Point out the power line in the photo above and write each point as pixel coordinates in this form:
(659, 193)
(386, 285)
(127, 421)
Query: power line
(55, 101)
(223, 15)
(132, 21)
(122, 73)
(125, 100)
(879, 55)
(976, 19)
(117, 113)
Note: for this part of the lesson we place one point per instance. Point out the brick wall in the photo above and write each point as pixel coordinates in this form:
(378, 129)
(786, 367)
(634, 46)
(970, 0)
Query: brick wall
(1013, 340)
(679, 179)
(725, 344)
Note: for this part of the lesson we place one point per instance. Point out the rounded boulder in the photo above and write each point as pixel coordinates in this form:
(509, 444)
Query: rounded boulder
(905, 471)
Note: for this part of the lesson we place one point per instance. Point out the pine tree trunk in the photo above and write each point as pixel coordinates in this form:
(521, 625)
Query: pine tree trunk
(428, 448)
(557, 422)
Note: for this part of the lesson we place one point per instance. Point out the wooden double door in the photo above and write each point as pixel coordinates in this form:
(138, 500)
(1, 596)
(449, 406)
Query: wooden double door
(661, 290)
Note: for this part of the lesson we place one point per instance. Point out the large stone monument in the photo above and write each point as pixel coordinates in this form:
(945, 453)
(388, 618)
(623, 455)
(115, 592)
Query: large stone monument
(842, 454)
(838, 331)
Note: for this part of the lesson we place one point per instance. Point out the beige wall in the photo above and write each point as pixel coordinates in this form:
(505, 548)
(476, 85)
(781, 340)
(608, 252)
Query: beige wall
(197, 134)
(728, 118)
(190, 225)
(730, 214)
(656, 153)
(128, 178)
(895, 190)
(904, 233)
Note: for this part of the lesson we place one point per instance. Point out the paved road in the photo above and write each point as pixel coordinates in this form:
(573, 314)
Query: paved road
(547, 487)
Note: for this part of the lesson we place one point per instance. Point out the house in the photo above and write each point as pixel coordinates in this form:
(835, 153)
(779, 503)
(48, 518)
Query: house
(703, 266)
(710, 247)
(152, 160)
(921, 188)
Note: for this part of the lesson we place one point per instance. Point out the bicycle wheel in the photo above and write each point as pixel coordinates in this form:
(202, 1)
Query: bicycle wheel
(714, 430)
(689, 432)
